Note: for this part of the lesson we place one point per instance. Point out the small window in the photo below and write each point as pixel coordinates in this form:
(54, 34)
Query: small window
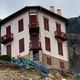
(61, 65)
(20, 25)
(33, 20)
(46, 24)
(8, 49)
(8, 30)
(21, 45)
(60, 48)
(47, 44)
(49, 62)
(58, 27)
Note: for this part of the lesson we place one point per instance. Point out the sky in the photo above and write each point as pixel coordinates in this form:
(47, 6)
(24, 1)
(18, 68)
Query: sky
(69, 8)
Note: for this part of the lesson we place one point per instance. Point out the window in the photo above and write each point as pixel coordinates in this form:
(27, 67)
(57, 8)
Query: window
(8, 30)
(8, 49)
(47, 44)
(58, 27)
(46, 24)
(61, 65)
(49, 62)
(33, 20)
(20, 25)
(60, 48)
(21, 45)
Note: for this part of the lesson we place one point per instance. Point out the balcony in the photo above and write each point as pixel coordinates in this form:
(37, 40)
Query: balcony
(60, 35)
(33, 25)
(35, 45)
(6, 38)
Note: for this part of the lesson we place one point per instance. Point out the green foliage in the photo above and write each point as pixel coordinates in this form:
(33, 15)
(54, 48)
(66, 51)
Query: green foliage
(5, 58)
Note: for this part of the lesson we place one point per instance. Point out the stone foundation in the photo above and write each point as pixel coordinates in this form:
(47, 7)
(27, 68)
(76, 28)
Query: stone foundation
(55, 62)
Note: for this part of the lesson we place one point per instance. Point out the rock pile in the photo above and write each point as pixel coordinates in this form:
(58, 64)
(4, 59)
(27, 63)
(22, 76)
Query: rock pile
(13, 72)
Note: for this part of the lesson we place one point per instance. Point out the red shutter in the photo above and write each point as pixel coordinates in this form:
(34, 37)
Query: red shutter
(8, 49)
(47, 44)
(20, 25)
(49, 62)
(46, 24)
(58, 27)
(33, 20)
(21, 45)
(60, 48)
(8, 30)
(61, 65)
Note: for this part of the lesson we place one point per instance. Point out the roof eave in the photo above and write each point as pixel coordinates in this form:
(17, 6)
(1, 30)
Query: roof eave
(10, 17)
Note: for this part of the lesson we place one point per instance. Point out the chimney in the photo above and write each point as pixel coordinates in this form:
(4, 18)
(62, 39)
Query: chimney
(52, 8)
(59, 12)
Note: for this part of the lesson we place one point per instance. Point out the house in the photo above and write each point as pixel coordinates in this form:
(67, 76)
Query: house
(38, 33)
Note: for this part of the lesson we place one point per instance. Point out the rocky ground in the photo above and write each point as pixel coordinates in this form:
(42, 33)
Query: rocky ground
(12, 72)
(15, 73)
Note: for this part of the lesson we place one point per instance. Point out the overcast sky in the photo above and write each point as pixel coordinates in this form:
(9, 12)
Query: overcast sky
(70, 8)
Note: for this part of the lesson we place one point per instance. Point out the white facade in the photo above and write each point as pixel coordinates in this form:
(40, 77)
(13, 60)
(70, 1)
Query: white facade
(42, 34)
(17, 35)
(50, 34)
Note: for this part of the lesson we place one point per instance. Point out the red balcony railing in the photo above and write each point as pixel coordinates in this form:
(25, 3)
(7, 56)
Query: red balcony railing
(60, 35)
(6, 38)
(35, 45)
(33, 25)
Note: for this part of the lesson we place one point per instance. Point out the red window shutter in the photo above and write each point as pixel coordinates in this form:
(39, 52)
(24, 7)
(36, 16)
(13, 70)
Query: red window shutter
(46, 24)
(20, 25)
(61, 65)
(49, 62)
(33, 20)
(58, 27)
(47, 44)
(8, 30)
(8, 49)
(60, 48)
(21, 45)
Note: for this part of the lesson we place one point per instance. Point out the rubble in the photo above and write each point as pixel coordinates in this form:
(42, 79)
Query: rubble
(13, 72)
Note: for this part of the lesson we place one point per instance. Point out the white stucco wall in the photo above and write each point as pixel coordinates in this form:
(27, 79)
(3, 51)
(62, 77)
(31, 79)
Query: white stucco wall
(43, 33)
(50, 34)
(17, 35)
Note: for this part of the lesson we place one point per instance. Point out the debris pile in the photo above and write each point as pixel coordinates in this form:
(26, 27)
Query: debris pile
(32, 71)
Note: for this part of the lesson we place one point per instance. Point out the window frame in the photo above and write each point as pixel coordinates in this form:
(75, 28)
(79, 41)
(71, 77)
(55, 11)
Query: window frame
(20, 25)
(33, 21)
(60, 47)
(46, 23)
(9, 49)
(58, 27)
(62, 66)
(47, 44)
(21, 45)
(8, 29)
(49, 60)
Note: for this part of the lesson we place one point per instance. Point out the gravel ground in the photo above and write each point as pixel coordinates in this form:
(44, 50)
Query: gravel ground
(7, 73)
(12, 72)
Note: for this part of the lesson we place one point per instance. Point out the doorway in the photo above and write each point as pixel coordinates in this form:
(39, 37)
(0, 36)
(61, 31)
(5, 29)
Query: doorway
(35, 55)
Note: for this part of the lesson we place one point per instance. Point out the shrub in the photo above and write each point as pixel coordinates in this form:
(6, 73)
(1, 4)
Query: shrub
(5, 58)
